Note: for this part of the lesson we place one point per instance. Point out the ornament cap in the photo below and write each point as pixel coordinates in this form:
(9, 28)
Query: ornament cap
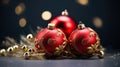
(81, 25)
(65, 12)
(51, 26)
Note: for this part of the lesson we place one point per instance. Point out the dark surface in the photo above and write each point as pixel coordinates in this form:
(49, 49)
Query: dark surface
(110, 60)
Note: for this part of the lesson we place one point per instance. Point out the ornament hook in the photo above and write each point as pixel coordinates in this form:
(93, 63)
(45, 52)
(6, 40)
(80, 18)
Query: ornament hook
(81, 25)
(65, 12)
(51, 26)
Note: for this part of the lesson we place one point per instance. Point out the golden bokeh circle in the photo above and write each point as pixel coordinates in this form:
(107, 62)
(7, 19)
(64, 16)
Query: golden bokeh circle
(97, 22)
(22, 22)
(83, 2)
(46, 15)
(5, 1)
(20, 8)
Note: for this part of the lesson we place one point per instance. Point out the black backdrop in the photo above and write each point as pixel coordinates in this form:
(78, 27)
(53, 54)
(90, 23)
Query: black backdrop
(107, 10)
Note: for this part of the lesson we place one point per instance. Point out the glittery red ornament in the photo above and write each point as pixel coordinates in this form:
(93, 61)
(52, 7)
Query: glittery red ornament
(50, 39)
(65, 23)
(85, 41)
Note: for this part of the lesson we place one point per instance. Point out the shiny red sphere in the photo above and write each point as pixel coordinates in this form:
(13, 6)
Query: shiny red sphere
(65, 23)
(81, 39)
(48, 40)
(38, 37)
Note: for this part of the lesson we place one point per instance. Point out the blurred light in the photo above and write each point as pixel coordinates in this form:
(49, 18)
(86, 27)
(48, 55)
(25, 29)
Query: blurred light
(20, 8)
(22, 22)
(83, 2)
(38, 27)
(5, 1)
(97, 22)
(46, 15)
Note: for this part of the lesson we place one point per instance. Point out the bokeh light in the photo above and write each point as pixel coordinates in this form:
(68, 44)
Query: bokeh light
(83, 2)
(46, 15)
(20, 8)
(5, 1)
(22, 22)
(97, 22)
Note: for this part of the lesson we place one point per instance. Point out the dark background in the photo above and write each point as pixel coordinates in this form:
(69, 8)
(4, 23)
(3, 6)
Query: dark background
(107, 10)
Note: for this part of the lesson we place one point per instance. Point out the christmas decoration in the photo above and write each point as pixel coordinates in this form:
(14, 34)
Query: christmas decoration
(30, 37)
(85, 42)
(61, 39)
(65, 23)
(50, 40)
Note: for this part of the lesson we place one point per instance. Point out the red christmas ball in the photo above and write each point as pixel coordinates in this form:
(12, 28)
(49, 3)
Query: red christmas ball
(65, 23)
(50, 39)
(38, 38)
(85, 41)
